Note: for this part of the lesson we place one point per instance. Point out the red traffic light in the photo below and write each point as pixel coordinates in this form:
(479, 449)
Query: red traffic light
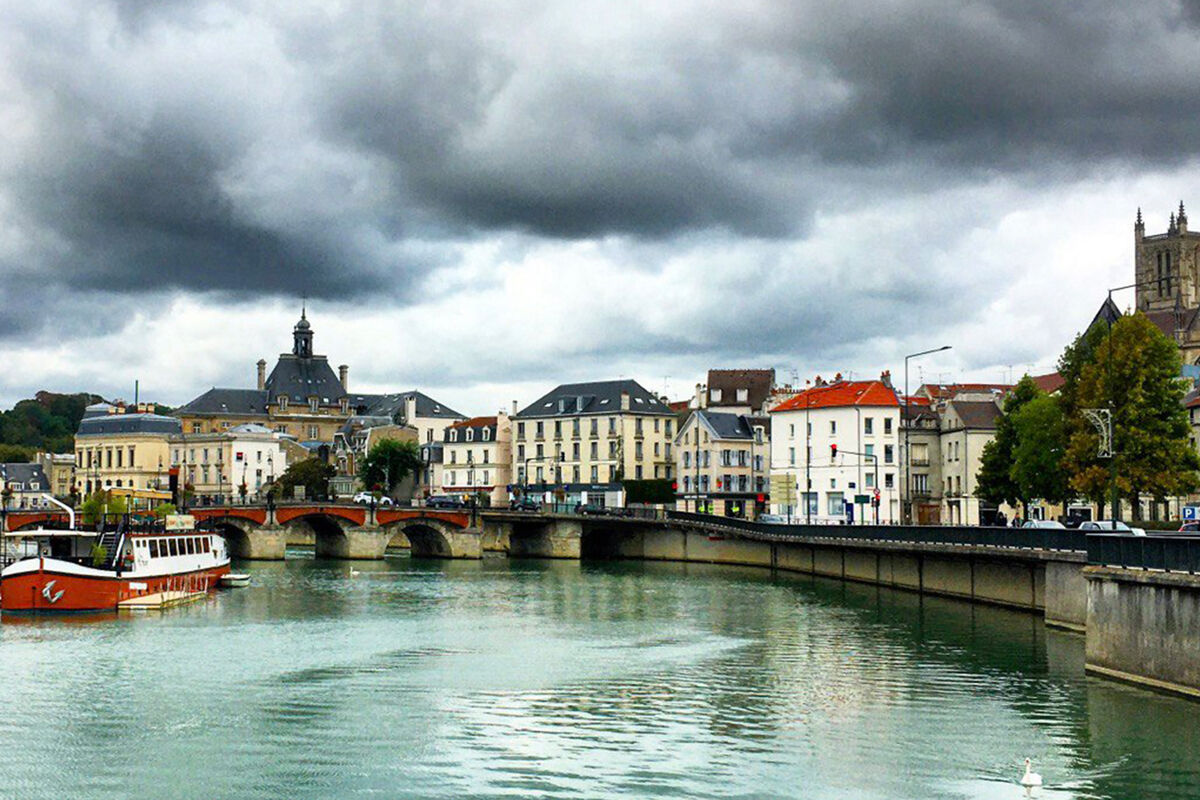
(833, 451)
(674, 486)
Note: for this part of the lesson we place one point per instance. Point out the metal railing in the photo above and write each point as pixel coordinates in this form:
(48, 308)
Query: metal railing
(1072, 541)
(1172, 553)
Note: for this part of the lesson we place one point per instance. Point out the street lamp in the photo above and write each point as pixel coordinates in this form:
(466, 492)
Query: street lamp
(906, 421)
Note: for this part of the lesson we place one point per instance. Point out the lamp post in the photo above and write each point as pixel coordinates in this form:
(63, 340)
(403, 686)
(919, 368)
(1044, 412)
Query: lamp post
(220, 478)
(906, 422)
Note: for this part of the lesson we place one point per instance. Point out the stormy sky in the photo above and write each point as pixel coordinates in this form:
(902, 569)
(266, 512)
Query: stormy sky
(485, 199)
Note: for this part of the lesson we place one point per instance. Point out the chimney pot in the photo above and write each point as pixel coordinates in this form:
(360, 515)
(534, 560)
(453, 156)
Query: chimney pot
(344, 377)
(262, 374)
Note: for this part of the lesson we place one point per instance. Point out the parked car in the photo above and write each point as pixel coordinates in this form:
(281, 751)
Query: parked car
(366, 497)
(590, 508)
(1192, 526)
(525, 504)
(443, 501)
(772, 519)
(1043, 523)
(1102, 525)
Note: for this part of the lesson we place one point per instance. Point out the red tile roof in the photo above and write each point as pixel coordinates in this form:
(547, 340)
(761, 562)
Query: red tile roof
(944, 391)
(1050, 383)
(474, 422)
(842, 393)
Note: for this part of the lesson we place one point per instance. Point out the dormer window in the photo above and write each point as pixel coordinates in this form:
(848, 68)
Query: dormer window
(314, 404)
(470, 435)
(714, 395)
(487, 434)
(453, 435)
(345, 405)
(743, 395)
(282, 401)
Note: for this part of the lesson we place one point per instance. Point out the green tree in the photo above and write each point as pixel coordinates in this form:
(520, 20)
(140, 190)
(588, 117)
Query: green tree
(994, 482)
(1136, 373)
(388, 463)
(1079, 354)
(15, 454)
(102, 502)
(1041, 441)
(311, 473)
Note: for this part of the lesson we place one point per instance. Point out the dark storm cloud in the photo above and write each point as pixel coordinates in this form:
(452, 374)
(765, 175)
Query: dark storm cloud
(348, 151)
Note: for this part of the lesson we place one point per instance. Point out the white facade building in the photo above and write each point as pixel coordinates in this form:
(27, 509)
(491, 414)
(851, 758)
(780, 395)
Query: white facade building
(837, 447)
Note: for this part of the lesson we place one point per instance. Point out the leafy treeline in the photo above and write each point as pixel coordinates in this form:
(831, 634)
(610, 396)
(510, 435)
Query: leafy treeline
(47, 422)
(1045, 447)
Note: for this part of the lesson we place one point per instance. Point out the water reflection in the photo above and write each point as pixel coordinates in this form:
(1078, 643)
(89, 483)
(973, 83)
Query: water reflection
(411, 678)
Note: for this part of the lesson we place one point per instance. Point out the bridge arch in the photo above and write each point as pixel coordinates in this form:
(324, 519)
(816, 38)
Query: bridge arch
(433, 537)
(328, 531)
(236, 531)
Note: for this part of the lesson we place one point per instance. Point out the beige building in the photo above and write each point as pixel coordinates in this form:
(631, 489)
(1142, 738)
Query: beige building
(722, 464)
(579, 441)
(125, 453)
(214, 466)
(303, 398)
(477, 459)
(59, 469)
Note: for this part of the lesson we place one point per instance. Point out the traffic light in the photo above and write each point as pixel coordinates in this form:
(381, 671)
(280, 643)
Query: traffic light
(674, 486)
(833, 451)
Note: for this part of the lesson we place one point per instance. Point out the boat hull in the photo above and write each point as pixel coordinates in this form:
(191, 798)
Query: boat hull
(61, 590)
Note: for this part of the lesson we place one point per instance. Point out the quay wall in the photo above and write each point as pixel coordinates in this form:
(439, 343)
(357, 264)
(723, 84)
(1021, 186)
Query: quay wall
(1143, 627)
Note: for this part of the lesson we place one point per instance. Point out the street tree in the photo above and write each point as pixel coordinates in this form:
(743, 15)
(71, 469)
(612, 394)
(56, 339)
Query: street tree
(1135, 372)
(102, 502)
(1037, 468)
(994, 483)
(311, 473)
(388, 463)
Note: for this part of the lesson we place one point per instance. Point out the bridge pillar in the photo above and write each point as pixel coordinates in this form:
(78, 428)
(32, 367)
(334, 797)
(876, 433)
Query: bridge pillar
(263, 544)
(353, 543)
(555, 538)
(495, 536)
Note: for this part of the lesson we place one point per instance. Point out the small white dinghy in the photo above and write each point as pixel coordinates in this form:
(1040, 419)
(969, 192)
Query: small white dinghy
(233, 579)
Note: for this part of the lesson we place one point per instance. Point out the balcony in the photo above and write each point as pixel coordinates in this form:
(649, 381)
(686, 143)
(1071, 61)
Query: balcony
(920, 462)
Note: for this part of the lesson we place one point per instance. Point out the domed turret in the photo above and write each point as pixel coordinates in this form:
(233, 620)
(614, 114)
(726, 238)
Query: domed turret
(302, 336)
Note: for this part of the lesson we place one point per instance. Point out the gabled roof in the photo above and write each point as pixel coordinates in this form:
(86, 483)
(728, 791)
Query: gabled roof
(600, 397)
(227, 401)
(475, 422)
(840, 394)
(25, 474)
(945, 391)
(757, 382)
(977, 414)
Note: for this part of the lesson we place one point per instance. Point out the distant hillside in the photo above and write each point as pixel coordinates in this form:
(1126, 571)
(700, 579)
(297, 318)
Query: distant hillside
(47, 422)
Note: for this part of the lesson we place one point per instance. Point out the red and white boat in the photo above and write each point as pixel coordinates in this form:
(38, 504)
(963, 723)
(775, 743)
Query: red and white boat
(70, 570)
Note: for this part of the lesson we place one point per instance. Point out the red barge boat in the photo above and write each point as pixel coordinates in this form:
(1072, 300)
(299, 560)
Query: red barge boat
(72, 570)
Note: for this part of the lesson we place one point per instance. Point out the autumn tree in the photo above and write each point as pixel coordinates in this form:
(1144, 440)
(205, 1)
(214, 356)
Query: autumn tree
(1135, 372)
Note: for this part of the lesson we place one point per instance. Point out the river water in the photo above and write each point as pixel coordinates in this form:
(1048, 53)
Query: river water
(408, 678)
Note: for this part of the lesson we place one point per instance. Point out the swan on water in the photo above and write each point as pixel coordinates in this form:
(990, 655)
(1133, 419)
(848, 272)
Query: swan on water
(1030, 778)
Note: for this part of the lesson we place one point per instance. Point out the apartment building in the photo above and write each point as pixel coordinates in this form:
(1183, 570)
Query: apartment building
(722, 464)
(578, 442)
(24, 486)
(126, 454)
(477, 459)
(214, 467)
(836, 447)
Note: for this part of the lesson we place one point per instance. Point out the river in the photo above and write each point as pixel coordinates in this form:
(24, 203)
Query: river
(429, 679)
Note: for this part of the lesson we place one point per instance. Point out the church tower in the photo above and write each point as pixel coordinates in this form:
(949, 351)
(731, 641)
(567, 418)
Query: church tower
(1166, 265)
(302, 337)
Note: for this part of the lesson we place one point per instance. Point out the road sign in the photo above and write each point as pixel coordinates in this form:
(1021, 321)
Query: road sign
(862, 499)
(1189, 512)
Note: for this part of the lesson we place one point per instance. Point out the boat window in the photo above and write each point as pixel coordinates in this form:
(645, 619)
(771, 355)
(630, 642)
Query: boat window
(154, 548)
(173, 544)
(191, 546)
(207, 543)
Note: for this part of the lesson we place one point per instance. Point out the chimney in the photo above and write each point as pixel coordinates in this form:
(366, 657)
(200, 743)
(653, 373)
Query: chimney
(262, 374)
(624, 401)
(885, 378)
(514, 407)
(699, 395)
(344, 377)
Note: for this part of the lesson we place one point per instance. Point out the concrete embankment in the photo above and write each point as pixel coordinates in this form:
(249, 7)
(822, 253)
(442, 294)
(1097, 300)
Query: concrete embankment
(1143, 626)
(1038, 581)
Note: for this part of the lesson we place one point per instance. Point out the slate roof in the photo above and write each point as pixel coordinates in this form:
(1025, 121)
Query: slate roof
(841, 393)
(128, 423)
(227, 401)
(733, 426)
(301, 378)
(976, 414)
(757, 382)
(599, 397)
(388, 405)
(24, 474)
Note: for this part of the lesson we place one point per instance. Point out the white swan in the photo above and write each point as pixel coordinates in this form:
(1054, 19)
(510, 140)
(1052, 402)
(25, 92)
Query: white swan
(1030, 779)
(355, 573)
